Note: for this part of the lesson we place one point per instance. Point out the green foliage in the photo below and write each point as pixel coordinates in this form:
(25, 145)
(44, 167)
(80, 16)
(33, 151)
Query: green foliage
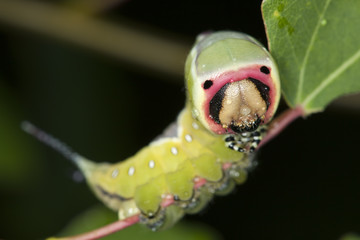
(350, 236)
(316, 44)
(17, 162)
(100, 216)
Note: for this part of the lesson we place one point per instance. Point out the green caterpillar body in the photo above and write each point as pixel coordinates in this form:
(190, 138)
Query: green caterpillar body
(233, 90)
(168, 166)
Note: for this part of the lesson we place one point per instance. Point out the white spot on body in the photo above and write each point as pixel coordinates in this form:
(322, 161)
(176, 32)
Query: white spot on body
(195, 125)
(131, 171)
(115, 173)
(195, 113)
(188, 138)
(234, 173)
(151, 164)
(130, 211)
(174, 151)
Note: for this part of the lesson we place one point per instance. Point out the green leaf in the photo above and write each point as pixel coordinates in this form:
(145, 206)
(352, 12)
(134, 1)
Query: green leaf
(18, 160)
(99, 216)
(350, 236)
(316, 44)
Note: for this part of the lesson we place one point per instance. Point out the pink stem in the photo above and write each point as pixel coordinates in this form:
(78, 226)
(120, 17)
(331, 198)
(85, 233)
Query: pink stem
(104, 231)
(276, 126)
(281, 122)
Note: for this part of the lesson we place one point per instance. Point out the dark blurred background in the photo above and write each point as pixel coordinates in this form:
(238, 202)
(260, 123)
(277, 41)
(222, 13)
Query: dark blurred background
(106, 77)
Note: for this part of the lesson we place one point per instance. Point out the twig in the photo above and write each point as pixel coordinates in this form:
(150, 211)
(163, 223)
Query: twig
(103, 231)
(93, 6)
(133, 45)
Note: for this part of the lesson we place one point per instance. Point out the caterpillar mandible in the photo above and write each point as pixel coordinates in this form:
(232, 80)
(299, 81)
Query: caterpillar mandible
(233, 90)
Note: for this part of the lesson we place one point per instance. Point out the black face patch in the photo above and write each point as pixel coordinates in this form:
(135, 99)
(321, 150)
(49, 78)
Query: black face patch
(265, 70)
(263, 89)
(216, 103)
(208, 84)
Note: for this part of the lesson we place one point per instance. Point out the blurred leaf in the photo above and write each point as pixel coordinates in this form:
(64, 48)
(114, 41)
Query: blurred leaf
(151, 50)
(100, 216)
(350, 236)
(317, 47)
(17, 161)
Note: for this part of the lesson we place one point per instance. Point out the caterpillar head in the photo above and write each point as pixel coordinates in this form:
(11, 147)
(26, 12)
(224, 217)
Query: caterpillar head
(232, 81)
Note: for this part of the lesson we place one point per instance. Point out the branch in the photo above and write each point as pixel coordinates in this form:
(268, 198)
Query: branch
(154, 52)
(103, 231)
(93, 6)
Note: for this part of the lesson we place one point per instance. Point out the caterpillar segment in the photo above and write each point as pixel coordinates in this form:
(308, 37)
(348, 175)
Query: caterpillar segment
(233, 91)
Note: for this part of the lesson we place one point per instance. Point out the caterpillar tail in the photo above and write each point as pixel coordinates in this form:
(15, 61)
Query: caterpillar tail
(85, 165)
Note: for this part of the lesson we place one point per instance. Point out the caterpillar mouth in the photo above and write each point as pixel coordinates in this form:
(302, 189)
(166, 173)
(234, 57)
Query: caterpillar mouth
(240, 106)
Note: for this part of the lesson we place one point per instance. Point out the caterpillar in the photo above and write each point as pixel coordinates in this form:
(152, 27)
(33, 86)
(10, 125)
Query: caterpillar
(233, 91)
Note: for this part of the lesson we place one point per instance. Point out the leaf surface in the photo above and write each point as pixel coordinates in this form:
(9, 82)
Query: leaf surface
(316, 44)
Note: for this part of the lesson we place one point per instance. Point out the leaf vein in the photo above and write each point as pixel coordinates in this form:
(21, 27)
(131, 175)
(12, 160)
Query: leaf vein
(307, 53)
(332, 76)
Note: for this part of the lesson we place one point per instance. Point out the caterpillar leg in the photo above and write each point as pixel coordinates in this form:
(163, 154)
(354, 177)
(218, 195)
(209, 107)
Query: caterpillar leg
(246, 141)
(197, 202)
(163, 219)
(154, 221)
